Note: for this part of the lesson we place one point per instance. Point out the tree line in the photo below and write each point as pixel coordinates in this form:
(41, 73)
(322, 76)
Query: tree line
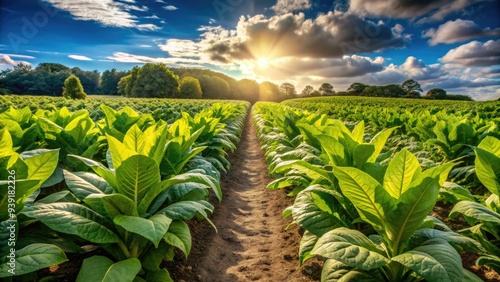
(156, 80)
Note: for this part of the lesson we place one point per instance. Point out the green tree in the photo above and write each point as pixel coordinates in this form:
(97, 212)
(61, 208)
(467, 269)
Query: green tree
(288, 90)
(73, 88)
(130, 82)
(436, 93)
(269, 91)
(249, 90)
(122, 85)
(156, 81)
(357, 88)
(411, 85)
(214, 87)
(307, 91)
(90, 79)
(326, 89)
(109, 81)
(190, 88)
(393, 90)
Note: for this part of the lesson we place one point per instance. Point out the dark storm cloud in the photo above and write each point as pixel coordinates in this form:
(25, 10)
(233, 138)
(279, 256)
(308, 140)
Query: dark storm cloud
(329, 35)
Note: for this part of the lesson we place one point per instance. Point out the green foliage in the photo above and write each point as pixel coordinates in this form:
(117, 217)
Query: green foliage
(109, 82)
(155, 81)
(485, 218)
(326, 89)
(73, 88)
(190, 88)
(435, 93)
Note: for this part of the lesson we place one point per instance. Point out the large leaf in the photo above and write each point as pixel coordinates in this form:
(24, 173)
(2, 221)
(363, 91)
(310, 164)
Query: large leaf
(475, 211)
(400, 173)
(306, 246)
(434, 262)
(379, 142)
(33, 257)
(335, 271)
(367, 195)
(314, 210)
(361, 154)
(178, 235)
(308, 169)
(350, 247)
(488, 170)
(83, 184)
(42, 165)
(100, 169)
(153, 228)
(136, 175)
(102, 269)
(71, 218)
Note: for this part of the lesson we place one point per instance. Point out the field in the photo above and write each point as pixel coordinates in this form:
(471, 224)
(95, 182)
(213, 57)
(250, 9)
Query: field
(113, 189)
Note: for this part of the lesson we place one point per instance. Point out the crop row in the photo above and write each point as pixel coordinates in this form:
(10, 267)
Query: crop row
(160, 109)
(125, 184)
(365, 206)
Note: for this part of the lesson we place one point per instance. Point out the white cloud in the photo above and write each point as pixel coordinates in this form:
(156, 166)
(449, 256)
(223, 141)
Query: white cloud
(160, 1)
(457, 31)
(80, 58)
(148, 27)
(145, 46)
(181, 48)
(122, 57)
(7, 62)
(287, 6)
(170, 8)
(18, 56)
(475, 53)
(106, 12)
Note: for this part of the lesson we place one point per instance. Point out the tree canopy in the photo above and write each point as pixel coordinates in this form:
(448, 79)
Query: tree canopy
(73, 88)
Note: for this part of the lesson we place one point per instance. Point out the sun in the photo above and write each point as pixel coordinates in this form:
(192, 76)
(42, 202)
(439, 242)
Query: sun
(262, 62)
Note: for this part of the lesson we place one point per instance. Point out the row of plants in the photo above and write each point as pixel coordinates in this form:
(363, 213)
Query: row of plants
(120, 189)
(440, 130)
(365, 206)
(160, 109)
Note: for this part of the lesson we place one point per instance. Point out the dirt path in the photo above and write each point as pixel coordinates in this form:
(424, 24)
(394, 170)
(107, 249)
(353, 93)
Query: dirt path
(251, 243)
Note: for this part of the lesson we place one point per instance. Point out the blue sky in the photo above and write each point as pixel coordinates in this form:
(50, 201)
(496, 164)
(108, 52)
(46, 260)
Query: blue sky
(452, 45)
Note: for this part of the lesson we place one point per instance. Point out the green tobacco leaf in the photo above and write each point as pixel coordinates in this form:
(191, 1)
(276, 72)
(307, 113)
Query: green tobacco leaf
(457, 240)
(83, 184)
(476, 211)
(434, 262)
(379, 142)
(488, 170)
(153, 228)
(135, 140)
(413, 207)
(335, 271)
(350, 247)
(359, 132)
(102, 269)
(187, 210)
(101, 170)
(179, 235)
(306, 246)
(111, 205)
(71, 218)
(370, 199)
(401, 172)
(119, 152)
(490, 144)
(136, 175)
(313, 210)
(361, 153)
(161, 275)
(42, 165)
(310, 170)
(491, 261)
(32, 258)
(461, 133)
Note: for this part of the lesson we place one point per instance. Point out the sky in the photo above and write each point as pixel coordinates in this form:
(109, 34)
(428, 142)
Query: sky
(454, 45)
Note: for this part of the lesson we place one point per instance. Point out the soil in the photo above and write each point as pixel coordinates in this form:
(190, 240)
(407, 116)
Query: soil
(251, 242)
